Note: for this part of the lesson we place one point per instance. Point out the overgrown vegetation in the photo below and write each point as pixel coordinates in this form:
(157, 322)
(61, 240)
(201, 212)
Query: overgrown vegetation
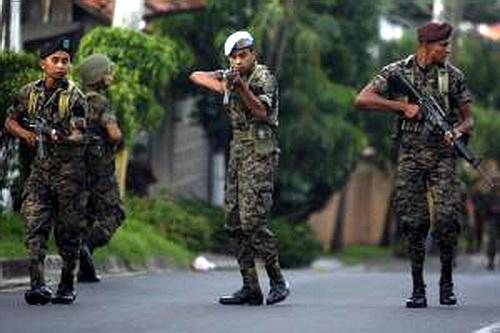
(176, 231)
(145, 65)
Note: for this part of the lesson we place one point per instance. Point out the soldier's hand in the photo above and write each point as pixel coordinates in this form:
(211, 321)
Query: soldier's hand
(30, 138)
(412, 111)
(75, 136)
(233, 78)
(54, 136)
(450, 136)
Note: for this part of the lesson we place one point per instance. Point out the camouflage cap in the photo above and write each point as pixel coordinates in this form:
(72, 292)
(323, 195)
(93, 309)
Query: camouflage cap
(94, 67)
(62, 44)
(434, 31)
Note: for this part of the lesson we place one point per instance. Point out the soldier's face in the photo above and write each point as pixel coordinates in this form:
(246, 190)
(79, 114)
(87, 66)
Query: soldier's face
(439, 51)
(108, 78)
(56, 65)
(242, 60)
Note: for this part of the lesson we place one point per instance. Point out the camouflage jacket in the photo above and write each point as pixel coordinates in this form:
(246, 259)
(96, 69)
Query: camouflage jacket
(99, 115)
(264, 85)
(445, 82)
(63, 107)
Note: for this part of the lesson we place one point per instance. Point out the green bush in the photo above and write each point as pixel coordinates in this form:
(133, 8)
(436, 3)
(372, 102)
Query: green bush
(173, 222)
(297, 244)
(12, 236)
(145, 65)
(175, 230)
(18, 69)
(137, 241)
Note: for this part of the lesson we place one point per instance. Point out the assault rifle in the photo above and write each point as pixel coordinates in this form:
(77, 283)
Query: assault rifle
(43, 130)
(434, 120)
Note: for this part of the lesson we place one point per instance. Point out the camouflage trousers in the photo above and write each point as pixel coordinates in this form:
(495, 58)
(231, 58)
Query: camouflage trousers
(427, 189)
(493, 236)
(52, 200)
(104, 211)
(248, 202)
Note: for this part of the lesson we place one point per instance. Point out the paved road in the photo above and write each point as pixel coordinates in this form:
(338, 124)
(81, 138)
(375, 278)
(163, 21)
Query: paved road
(339, 300)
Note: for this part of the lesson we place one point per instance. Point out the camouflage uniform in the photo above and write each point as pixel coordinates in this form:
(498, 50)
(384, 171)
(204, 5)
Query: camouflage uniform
(488, 207)
(52, 195)
(104, 209)
(251, 172)
(427, 165)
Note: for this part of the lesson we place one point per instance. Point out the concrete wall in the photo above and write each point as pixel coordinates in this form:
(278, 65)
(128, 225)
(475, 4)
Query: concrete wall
(357, 214)
(180, 154)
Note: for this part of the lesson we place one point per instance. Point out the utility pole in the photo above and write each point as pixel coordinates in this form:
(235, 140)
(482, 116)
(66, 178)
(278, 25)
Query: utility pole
(438, 10)
(10, 26)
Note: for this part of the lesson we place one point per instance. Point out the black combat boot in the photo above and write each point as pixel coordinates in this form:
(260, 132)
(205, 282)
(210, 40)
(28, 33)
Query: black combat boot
(249, 294)
(417, 298)
(86, 272)
(66, 293)
(39, 293)
(279, 287)
(446, 295)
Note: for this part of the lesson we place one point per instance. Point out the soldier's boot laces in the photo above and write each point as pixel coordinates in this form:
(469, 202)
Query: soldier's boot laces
(279, 287)
(38, 295)
(446, 294)
(87, 272)
(417, 299)
(243, 296)
(65, 293)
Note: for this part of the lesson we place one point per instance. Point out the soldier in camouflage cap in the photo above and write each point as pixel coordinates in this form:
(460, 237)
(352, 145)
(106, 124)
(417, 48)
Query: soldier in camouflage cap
(104, 213)
(426, 164)
(251, 101)
(52, 193)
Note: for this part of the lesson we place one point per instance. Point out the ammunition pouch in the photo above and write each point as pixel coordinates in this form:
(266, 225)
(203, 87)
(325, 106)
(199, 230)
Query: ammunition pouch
(262, 138)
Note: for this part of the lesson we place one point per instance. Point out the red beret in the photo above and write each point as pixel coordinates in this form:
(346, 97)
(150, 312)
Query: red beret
(434, 31)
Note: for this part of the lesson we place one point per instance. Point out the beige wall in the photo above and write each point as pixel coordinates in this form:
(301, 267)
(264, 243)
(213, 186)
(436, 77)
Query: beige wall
(365, 207)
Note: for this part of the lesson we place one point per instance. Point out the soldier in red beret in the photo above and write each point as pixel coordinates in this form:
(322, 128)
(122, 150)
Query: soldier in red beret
(426, 163)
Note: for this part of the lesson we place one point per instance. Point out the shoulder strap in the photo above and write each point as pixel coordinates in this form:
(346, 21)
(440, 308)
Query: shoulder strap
(33, 98)
(444, 85)
(64, 99)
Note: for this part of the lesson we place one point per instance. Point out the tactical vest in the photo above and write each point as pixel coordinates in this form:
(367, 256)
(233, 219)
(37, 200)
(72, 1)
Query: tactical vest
(63, 102)
(443, 88)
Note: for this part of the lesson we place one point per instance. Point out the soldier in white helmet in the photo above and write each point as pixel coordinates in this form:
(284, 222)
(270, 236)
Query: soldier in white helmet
(250, 98)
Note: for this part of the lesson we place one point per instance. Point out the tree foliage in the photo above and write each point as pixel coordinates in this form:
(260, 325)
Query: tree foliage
(145, 65)
(316, 49)
(18, 69)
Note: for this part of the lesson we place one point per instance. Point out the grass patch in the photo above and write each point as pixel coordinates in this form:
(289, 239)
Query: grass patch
(357, 254)
(174, 230)
(12, 238)
(137, 241)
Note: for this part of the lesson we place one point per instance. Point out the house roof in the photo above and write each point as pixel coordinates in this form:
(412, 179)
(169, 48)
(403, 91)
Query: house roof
(152, 8)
